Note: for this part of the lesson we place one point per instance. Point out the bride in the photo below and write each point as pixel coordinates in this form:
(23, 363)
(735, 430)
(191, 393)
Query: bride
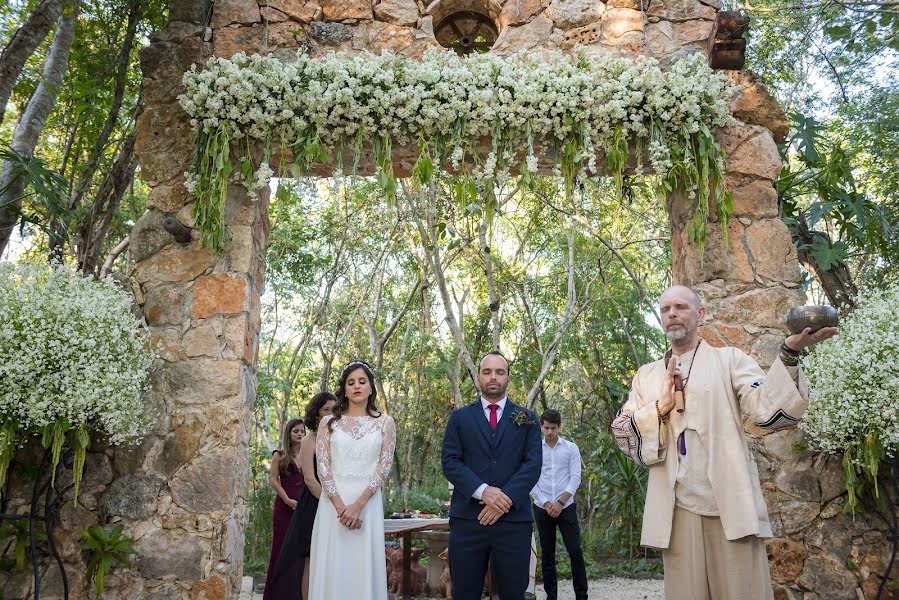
(354, 450)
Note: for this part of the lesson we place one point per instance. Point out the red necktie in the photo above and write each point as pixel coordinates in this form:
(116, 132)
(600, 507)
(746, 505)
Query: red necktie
(493, 408)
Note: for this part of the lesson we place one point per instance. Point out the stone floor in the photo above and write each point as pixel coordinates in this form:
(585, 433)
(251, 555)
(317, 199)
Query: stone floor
(618, 588)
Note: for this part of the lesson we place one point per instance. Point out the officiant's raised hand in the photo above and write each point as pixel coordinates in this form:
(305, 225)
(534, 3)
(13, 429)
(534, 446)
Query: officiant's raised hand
(496, 499)
(805, 338)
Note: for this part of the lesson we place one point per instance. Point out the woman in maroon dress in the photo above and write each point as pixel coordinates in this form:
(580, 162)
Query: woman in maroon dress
(290, 580)
(287, 481)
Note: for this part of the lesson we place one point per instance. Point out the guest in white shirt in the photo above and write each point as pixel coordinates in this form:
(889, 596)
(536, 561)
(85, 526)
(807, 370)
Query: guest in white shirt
(554, 506)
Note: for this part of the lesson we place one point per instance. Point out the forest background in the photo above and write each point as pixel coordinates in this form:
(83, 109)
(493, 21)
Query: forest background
(567, 288)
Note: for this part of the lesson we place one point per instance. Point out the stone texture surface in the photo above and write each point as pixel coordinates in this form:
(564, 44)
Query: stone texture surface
(828, 574)
(299, 10)
(377, 36)
(132, 496)
(616, 22)
(205, 485)
(750, 151)
(168, 198)
(167, 554)
(398, 12)
(175, 263)
(219, 294)
(518, 12)
(568, 14)
(148, 237)
(227, 12)
(772, 249)
(338, 10)
(753, 104)
(167, 305)
(677, 11)
(228, 41)
(164, 143)
(785, 558)
(535, 33)
(756, 199)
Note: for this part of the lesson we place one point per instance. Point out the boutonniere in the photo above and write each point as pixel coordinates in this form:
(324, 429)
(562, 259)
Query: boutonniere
(524, 417)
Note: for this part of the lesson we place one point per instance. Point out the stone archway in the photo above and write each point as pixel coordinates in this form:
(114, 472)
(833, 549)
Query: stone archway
(182, 493)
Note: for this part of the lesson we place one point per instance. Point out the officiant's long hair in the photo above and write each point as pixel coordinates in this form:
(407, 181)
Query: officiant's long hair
(343, 402)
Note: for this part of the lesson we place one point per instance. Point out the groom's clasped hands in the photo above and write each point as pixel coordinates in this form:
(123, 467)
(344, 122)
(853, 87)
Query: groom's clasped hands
(496, 504)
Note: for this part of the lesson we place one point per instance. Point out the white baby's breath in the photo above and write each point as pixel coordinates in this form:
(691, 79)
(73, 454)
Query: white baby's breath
(70, 351)
(855, 379)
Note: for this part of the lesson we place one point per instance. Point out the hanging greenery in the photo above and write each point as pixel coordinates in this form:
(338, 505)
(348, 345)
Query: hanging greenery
(73, 362)
(571, 108)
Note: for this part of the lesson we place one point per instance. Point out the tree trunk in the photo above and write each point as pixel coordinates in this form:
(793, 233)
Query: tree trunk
(92, 234)
(33, 120)
(24, 42)
(57, 242)
(835, 281)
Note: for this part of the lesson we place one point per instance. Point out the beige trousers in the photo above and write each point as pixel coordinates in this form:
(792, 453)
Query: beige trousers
(702, 564)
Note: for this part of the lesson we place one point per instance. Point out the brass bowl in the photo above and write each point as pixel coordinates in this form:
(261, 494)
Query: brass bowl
(814, 316)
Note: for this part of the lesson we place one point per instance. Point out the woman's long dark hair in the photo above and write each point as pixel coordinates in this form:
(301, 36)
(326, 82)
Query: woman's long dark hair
(343, 402)
(311, 417)
(287, 446)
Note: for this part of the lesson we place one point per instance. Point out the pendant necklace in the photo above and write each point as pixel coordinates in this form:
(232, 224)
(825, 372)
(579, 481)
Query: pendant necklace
(680, 391)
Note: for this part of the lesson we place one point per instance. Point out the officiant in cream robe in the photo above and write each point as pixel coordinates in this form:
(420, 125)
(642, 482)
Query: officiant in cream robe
(704, 504)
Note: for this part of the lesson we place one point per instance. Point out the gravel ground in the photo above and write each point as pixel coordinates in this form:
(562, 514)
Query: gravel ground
(612, 588)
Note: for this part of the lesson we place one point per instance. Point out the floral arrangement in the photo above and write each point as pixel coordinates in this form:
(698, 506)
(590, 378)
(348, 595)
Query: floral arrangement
(524, 417)
(854, 385)
(73, 362)
(321, 109)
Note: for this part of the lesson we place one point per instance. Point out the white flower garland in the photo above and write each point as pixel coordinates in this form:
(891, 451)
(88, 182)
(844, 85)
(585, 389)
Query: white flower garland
(854, 387)
(315, 108)
(72, 361)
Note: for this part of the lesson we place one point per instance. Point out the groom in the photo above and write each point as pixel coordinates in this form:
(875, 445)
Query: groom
(492, 456)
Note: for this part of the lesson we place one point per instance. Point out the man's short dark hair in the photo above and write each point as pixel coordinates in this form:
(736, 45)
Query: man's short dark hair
(493, 353)
(551, 416)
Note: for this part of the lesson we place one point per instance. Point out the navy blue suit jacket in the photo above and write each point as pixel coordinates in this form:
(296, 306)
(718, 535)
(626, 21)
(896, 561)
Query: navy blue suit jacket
(509, 458)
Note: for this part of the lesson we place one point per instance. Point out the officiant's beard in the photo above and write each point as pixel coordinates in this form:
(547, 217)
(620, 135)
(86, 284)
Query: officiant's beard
(677, 335)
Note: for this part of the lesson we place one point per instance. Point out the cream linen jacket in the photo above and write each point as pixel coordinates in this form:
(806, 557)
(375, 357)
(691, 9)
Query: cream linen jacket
(726, 387)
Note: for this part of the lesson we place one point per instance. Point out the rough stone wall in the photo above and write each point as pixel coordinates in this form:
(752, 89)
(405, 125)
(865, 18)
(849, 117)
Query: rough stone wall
(661, 28)
(181, 494)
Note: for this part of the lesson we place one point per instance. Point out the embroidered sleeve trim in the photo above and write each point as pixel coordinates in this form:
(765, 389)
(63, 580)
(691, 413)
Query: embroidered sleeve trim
(628, 437)
(780, 420)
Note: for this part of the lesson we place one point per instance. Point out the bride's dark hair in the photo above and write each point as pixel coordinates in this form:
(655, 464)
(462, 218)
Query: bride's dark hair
(343, 402)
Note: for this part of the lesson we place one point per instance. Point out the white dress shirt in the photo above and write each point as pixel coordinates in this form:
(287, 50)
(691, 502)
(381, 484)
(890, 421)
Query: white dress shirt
(499, 415)
(561, 473)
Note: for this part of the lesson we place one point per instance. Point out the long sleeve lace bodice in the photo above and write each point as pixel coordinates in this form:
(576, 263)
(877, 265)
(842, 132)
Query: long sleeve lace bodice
(357, 448)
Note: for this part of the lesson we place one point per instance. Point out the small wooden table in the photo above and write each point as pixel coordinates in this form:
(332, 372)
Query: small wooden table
(405, 528)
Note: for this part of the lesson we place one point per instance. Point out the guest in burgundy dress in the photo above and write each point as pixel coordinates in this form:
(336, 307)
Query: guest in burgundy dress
(292, 569)
(287, 481)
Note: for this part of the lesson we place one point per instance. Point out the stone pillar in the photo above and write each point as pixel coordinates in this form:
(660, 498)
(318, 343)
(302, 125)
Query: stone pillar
(750, 281)
(182, 494)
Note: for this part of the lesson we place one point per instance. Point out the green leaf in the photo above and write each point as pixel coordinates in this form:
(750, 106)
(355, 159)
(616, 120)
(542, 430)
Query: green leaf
(828, 255)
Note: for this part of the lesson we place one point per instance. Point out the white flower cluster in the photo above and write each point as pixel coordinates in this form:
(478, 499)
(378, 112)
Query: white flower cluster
(855, 378)
(345, 101)
(70, 351)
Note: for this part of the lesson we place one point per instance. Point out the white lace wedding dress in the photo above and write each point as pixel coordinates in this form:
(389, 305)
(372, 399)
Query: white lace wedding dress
(349, 564)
